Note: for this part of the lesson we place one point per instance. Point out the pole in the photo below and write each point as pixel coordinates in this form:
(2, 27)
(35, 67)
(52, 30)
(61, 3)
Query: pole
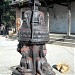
(69, 19)
(48, 20)
(69, 23)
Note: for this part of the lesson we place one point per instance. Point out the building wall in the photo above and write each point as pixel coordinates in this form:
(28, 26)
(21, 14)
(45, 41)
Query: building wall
(73, 17)
(59, 18)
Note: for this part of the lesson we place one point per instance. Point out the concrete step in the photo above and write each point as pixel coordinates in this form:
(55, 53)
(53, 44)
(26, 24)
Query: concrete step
(62, 39)
(14, 37)
(62, 36)
(69, 44)
(57, 35)
(63, 42)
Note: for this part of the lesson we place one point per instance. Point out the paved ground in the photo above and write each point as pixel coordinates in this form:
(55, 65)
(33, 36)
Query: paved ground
(9, 57)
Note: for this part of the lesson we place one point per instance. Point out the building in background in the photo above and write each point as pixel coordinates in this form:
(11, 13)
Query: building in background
(61, 14)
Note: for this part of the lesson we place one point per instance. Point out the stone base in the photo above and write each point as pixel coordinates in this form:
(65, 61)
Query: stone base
(33, 61)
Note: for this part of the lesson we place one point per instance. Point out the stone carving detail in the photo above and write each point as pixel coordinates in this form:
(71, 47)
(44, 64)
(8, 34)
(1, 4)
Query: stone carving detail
(32, 37)
(33, 61)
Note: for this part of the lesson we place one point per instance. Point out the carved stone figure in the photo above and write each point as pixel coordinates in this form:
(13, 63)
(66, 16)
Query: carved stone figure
(32, 37)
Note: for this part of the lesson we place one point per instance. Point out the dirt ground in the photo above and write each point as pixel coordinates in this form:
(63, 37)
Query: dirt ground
(9, 57)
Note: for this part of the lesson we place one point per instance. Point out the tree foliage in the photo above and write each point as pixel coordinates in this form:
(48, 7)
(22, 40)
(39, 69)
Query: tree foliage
(7, 13)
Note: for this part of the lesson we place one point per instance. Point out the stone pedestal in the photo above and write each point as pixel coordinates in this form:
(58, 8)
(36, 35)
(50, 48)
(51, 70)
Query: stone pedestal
(33, 61)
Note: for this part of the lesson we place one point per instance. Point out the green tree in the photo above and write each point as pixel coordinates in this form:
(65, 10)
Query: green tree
(1, 9)
(7, 13)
